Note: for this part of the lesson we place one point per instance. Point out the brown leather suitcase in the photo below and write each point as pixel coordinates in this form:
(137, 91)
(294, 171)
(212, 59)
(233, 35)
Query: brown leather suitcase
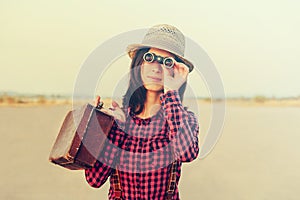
(81, 138)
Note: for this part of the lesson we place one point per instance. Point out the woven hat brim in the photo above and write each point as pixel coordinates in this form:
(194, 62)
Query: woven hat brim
(131, 49)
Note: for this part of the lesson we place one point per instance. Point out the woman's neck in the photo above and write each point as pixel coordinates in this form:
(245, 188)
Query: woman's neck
(151, 105)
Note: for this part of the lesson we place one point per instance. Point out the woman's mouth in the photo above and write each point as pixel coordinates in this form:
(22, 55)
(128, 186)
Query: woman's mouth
(156, 79)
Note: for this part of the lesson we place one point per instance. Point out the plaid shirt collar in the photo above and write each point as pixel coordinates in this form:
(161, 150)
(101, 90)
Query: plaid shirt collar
(137, 120)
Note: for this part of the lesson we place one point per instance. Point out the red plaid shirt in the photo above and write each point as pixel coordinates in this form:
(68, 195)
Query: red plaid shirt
(143, 150)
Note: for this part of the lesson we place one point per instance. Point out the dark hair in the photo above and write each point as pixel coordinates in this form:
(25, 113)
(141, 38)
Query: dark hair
(135, 95)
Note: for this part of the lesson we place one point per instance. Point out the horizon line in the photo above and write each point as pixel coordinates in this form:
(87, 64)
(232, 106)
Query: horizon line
(82, 96)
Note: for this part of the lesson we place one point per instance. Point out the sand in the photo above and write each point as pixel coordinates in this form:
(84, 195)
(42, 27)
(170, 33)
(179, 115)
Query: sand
(257, 157)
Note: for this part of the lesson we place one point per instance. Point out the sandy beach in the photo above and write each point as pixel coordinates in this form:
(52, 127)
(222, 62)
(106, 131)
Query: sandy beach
(256, 158)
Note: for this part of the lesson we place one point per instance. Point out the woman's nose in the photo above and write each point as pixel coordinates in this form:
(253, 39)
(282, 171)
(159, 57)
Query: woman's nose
(157, 68)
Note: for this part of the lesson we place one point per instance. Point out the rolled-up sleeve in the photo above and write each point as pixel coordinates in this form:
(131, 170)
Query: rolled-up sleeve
(97, 175)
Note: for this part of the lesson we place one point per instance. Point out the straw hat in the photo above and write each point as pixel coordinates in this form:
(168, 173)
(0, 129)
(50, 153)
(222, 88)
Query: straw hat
(165, 37)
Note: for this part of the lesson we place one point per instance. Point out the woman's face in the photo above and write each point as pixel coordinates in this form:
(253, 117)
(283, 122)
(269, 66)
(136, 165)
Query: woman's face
(152, 73)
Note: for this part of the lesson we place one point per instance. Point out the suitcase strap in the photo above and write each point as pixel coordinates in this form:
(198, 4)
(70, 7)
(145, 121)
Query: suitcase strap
(172, 181)
(117, 185)
(172, 178)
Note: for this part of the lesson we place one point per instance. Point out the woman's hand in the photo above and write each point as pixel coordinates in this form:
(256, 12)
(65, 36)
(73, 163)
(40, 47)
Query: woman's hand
(114, 111)
(175, 77)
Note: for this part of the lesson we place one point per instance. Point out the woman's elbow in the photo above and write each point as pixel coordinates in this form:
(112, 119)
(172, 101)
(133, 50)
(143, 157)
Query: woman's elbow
(190, 155)
(92, 181)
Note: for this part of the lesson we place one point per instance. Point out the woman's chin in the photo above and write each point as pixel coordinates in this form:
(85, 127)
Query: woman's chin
(154, 87)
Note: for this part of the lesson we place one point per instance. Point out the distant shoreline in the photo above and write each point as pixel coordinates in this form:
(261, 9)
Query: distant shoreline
(40, 100)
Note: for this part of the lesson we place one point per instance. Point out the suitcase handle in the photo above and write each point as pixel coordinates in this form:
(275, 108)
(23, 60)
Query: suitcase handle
(100, 105)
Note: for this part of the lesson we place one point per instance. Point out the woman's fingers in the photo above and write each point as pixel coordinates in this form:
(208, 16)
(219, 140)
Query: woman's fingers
(109, 112)
(115, 111)
(97, 101)
(118, 111)
(181, 69)
(168, 79)
(115, 104)
(175, 77)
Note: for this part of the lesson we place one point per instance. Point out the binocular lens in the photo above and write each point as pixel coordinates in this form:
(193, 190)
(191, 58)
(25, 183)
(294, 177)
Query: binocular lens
(148, 57)
(168, 62)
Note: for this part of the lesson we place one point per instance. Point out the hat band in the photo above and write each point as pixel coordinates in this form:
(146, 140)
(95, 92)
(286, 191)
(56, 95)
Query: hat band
(165, 45)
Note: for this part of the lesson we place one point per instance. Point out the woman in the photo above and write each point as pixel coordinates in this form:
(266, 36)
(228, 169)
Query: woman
(153, 133)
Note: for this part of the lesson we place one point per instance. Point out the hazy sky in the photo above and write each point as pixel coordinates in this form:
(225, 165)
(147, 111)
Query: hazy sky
(254, 44)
